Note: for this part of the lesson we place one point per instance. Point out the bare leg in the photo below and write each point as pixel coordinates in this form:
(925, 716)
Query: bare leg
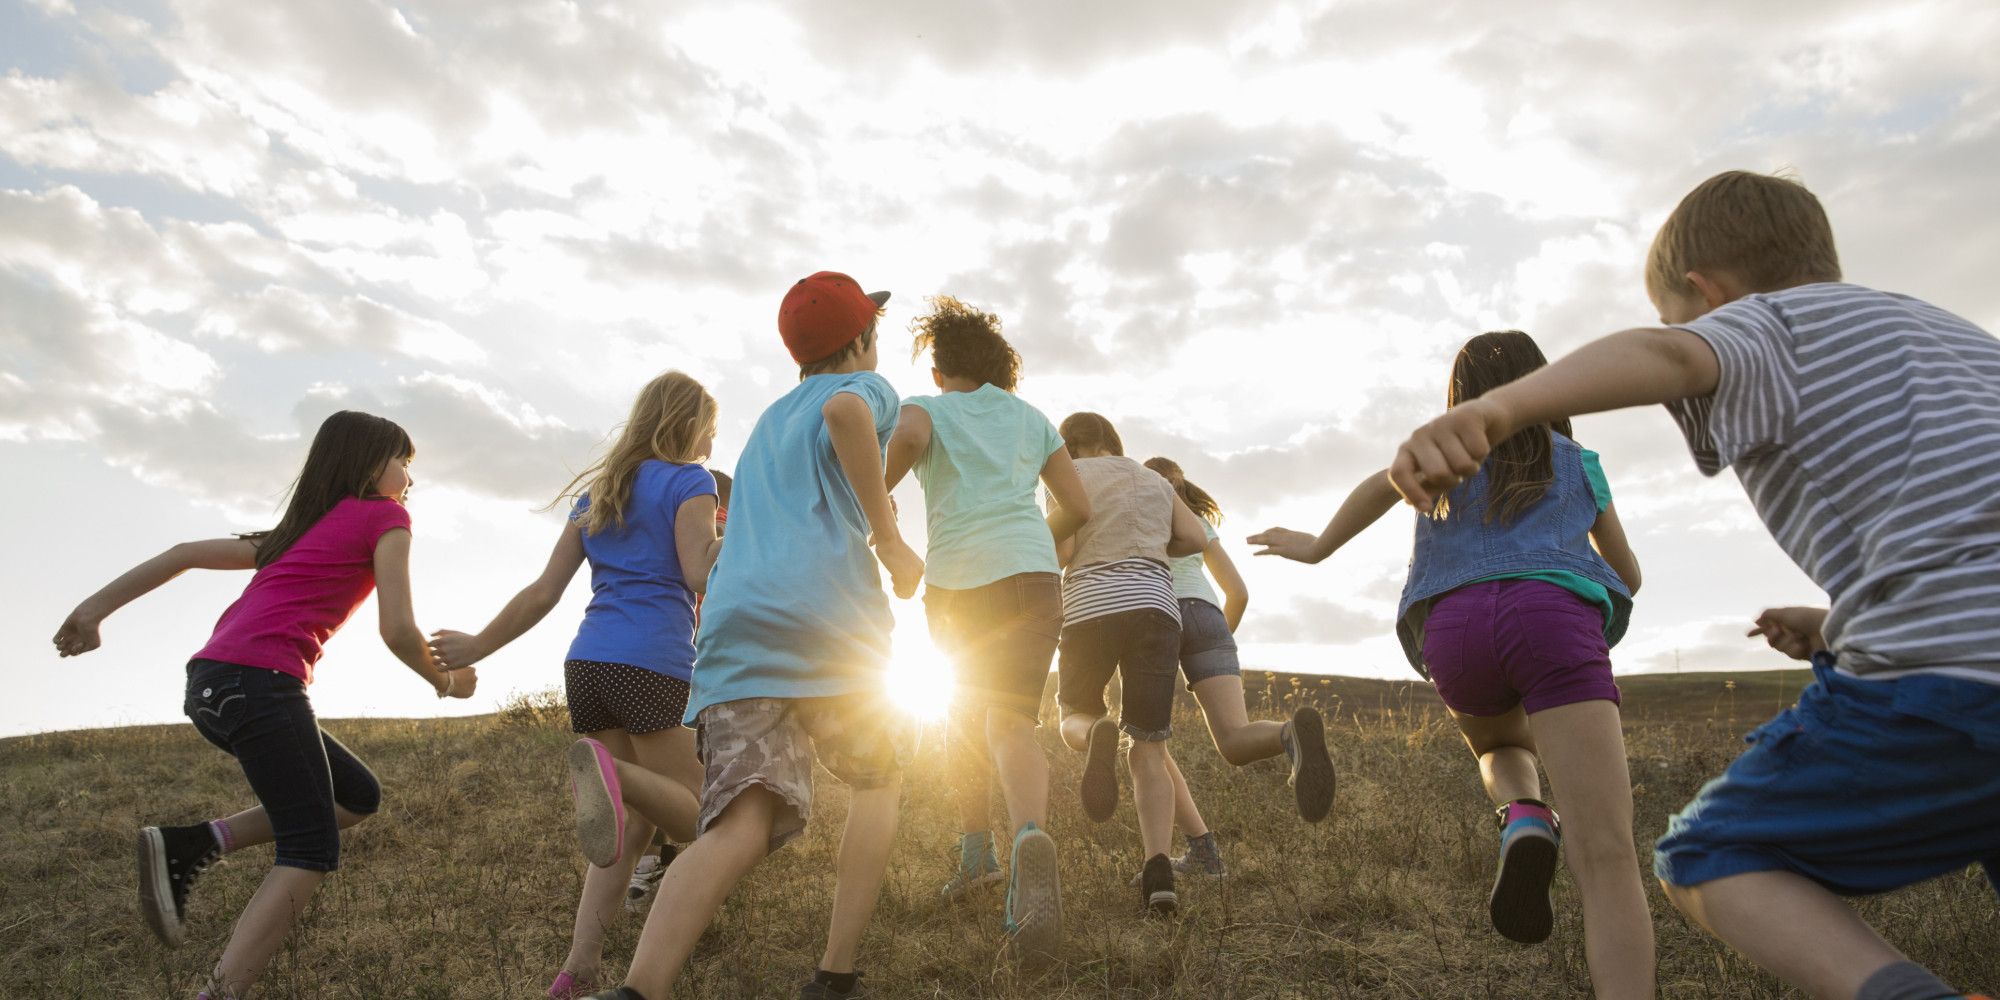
(1152, 795)
(971, 781)
(1584, 750)
(646, 767)
(1075, 730)
(267, 919)
(1790, 926)
(864, 859)
(1239, 740)
(1505, 747)
(601, 904)
(1187, 815)
(1024, 771)
(252, 827)
(695, 886)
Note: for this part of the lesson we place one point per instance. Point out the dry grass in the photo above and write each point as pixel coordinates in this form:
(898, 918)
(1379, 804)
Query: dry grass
(464, 885)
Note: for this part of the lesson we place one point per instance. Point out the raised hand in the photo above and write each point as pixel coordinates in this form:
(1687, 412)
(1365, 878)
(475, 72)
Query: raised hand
(1294, 545)
(1447, 451)
(78, 634)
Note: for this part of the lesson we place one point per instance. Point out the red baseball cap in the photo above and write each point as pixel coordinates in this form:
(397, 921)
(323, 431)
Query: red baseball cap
(824, 313)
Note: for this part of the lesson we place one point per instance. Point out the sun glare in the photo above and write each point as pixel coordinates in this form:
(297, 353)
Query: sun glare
(920, 679)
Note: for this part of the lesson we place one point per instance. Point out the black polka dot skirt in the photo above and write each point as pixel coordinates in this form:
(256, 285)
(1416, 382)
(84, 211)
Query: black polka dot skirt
(621, 696)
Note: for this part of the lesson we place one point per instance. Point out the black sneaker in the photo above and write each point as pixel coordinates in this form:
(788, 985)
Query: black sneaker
(1099, 787)
(1156, 887)
(1312, 767)
(170, 859)
(619, 993)
(814, 989)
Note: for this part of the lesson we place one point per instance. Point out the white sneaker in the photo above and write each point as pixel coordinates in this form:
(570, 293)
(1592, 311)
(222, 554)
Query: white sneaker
(645, 883)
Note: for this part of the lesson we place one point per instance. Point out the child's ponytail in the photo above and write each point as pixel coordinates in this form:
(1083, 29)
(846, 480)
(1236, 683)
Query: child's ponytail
(966, 343)
(1197, 499)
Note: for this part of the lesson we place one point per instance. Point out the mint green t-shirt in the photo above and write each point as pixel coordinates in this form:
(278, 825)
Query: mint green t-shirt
(1584, 587)
(1191, 576)
(979, 473)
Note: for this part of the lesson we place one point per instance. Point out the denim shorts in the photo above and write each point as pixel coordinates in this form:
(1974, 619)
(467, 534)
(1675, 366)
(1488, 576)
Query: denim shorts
(1001, 637)
(1207, 647)
(298, 772)
(1493, 645)
(1142, 647)
(1863, 786)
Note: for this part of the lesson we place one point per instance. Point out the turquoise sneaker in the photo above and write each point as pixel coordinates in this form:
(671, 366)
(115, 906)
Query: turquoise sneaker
(1034, 897)
(978, 867)
(1530, 845)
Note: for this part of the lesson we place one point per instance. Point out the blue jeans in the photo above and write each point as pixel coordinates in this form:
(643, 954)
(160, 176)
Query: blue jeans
(298, 772)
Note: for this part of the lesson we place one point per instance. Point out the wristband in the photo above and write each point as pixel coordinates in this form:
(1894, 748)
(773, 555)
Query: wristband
(449, 683)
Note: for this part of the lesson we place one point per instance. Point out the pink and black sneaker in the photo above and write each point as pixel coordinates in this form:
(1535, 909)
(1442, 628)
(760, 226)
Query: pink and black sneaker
(1530, 845)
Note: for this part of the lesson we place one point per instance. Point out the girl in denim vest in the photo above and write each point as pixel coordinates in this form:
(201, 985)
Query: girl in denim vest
(1519, 583)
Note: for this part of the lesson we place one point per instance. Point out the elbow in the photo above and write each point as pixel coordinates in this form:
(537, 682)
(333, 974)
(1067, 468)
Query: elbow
(402, 636)
(1632, 581)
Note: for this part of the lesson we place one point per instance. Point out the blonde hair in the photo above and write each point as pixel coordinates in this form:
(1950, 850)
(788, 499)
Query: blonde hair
(669, 419)
(1766, 232)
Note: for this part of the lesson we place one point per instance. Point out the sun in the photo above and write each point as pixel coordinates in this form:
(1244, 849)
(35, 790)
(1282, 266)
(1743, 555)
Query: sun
(920, 679)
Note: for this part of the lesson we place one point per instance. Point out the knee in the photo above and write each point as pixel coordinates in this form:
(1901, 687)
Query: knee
(1148, 752)
(1236, 750)
(363, 799)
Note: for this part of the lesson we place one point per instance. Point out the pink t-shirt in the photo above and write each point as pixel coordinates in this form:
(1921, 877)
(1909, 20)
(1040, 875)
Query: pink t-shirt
(293, 605)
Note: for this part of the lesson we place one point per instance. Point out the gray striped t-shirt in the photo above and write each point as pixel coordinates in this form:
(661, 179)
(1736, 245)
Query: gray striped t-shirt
(1865, 427)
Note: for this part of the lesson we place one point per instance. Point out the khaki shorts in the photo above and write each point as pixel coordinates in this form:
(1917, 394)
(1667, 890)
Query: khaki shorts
(858, 738)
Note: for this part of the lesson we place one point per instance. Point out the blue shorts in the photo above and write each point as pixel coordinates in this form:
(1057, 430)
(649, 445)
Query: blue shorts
(1207, 648)
(1863, 787)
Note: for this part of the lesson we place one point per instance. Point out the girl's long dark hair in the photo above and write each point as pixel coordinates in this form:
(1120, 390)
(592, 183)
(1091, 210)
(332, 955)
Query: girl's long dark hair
(347, 455)
(1197, 499)
(1520, 469)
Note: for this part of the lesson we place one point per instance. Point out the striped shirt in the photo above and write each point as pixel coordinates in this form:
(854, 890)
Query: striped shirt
(1123, 585)
(1865, 428)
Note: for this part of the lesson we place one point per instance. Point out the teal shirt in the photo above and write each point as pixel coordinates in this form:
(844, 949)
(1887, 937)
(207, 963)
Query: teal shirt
(1191, 576)
(795, 607)
(1584, 587)
(979, 473)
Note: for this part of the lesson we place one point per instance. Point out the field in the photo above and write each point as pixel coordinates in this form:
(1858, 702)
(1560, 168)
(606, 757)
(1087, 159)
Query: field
(464, 886)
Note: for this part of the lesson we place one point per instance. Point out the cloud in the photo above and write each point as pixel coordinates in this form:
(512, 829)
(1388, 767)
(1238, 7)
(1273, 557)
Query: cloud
(1316, 621)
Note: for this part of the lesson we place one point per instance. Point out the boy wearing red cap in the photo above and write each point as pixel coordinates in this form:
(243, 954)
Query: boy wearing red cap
(794, 639)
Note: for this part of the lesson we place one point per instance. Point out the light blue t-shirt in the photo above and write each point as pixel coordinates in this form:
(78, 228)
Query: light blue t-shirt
(795, 607)
(979, 473)
(1190, 578)
(641, 611)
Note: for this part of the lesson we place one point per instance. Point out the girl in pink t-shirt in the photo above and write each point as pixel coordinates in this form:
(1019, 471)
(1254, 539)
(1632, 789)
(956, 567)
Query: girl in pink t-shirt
(344, 533)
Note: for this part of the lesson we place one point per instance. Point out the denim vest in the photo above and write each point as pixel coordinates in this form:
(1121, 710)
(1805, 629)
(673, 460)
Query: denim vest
(1551, 535)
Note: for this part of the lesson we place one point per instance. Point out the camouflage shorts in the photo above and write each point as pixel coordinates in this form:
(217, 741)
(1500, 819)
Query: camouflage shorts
(858, 738)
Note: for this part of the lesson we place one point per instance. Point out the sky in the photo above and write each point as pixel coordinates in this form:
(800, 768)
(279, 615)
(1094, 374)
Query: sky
(1253, 234)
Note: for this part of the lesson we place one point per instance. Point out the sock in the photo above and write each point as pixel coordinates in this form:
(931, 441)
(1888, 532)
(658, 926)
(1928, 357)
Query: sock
(1202, 846)
(219, 828)
(975, 849)
(842, 982)
(1528, 809)
(1904, 981)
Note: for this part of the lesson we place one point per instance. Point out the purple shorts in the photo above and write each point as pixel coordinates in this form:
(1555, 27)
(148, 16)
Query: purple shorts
(1490, 646)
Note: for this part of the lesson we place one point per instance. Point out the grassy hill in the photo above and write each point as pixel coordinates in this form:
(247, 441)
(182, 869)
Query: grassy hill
(465, 885)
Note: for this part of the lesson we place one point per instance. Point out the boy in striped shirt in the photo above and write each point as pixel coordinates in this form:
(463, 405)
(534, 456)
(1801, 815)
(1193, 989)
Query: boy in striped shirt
(1863, 425)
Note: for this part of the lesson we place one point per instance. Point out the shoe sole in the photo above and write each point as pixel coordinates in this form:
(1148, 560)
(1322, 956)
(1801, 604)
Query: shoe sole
(600, 825)
(1312, 773)
(1037, 899)
(1099, 788)
(1165, 903)
(156, 894)
(1519, 904)
(979, 884)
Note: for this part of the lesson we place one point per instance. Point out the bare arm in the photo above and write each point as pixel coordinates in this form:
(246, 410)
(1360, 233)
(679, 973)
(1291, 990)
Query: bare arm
(1188, 539)
(1608, 537)
(450, 649)
(1072, 502)
(399, 623)
(695, 540)
(1235, 593)
(850, 427)
(78, 633)
(906, 445)
(1371, 499)
(1633, 368)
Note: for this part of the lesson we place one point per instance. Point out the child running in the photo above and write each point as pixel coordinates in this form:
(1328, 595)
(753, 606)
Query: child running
(645, 520)
(1862, 425)
(793, 645)
(1520, 582)
(1120, 616)
(344, 533)
(1214, 675)
(992, 596)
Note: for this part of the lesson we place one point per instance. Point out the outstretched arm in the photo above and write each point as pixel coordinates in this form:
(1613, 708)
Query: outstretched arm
(78, 632)
(1235, 593)
(906, 445)
(850, 427)
(1363, 507)
(399, 623)
(451, 649)
(1633, 368)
